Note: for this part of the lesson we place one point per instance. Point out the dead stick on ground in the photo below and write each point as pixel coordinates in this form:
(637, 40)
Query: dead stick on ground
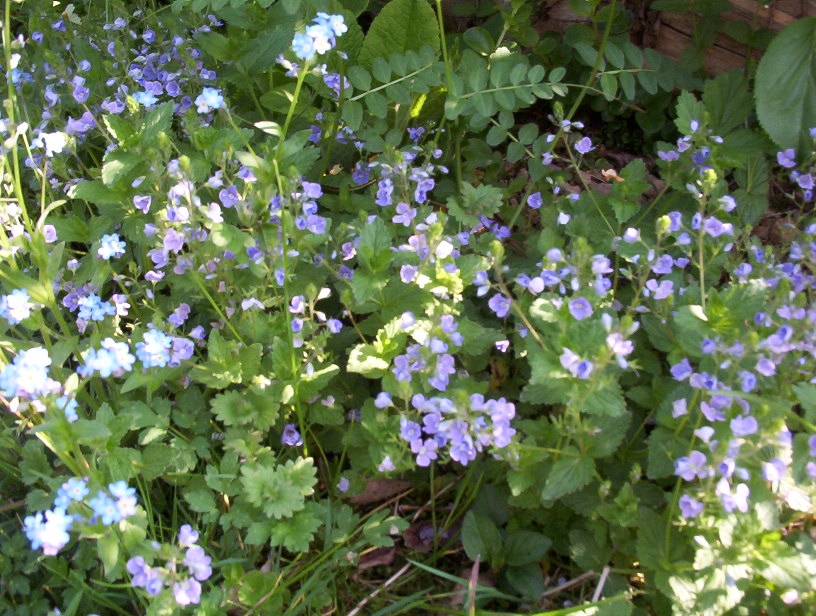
(574, 582)
(601, 582)
(425, 507)
(388, 583)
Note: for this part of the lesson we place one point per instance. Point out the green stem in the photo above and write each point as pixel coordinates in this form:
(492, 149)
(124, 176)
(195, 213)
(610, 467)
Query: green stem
(289, 114)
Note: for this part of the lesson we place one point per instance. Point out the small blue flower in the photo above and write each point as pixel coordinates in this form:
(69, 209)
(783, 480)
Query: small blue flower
(154, 350)
(110, 246)
(104, 508)
(209, 99)
(145, 98)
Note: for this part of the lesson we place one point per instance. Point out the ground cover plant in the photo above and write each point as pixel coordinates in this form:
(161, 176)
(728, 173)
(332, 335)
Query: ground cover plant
(317, 307)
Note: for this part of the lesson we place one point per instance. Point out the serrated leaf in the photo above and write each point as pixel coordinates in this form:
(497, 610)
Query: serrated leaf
(688, 110)
(571, 472)
(156, 121)
(374, 249)
(364, 360)
(96, 192)
(664, 447)
(279, 490)
(727, 101)
(400, 26)
(119, 166)
(200, 500)
(625, 196)
(297, 532)
(786, 85)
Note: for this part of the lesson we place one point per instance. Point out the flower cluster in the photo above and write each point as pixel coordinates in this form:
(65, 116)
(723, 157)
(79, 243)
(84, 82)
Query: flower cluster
(113, 359)
(157, 349)
(432, 356)
(49, 530)
(16, 306)
(186, 588)
(27, 376)
(319, 37)
(465, 431)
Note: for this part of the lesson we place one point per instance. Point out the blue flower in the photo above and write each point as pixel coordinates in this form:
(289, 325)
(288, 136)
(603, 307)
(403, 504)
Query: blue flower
(16, 306)
(500, 305)
(50, 533)
(198, 563)
(291, 436)
(27, 375)
(154, 350)
(690, 507)
(104, 508)
(209, 99)
(787, 158)
(92, 308)
(74, 489)
(580, 308)
(691, 466)
(145, 98)
(110, 246)
(320, 37)
(584, 145)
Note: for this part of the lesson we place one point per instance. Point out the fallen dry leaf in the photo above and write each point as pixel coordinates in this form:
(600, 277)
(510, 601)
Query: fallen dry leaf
(378, 557)
(379, 490)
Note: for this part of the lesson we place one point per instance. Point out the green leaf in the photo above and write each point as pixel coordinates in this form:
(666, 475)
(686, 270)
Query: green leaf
(359, 78)
(624, 196)
(609, 86)
(374, 249)
(352, 114)
(524, 546)
(279, 490)
(688, 109)
(787, 567)
(806, 396)
(155, 122)
(401, 25)
(215, 44)
(120, 166)
(571, 472)
(231, 408)
(377, 104)
(381, 70)
(481, 200)
(786, 86)
(259, 54)
(365, 360)
(664, 449)
(107, 547)
(201, 500)
(527, 579)
(754, 182)
(96, 192)
(727, 101)
(627, 83)
(480, 538)
(118, 127)
(297, 532)
(157, 458)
